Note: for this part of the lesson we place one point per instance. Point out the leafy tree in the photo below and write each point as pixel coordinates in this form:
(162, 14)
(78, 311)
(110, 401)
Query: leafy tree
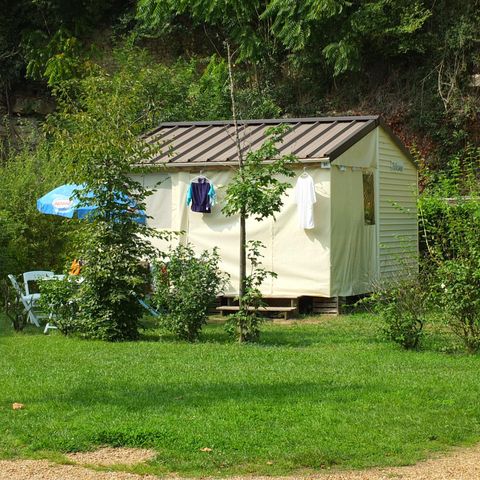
(237, 21)
(255, 191)
(55, 59)
(276, 28)
(30, 240)
(99, 134)
(49, 36)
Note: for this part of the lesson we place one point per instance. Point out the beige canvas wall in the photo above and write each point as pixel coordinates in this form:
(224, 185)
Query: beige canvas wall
(354, 246)
(301, 258)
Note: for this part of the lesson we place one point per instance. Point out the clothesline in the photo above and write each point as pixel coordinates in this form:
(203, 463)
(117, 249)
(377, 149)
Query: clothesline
(201, 196)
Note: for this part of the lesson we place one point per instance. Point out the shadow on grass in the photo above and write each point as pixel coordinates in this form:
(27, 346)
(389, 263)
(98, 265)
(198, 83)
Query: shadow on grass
(135, 397)
(7, 330)
(300, 333)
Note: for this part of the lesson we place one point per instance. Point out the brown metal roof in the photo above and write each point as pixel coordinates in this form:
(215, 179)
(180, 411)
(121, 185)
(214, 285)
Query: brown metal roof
(195, 143)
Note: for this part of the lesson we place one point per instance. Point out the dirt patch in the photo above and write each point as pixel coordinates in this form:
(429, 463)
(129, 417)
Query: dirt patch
(44, 470)
(460, 464)
(107, 456)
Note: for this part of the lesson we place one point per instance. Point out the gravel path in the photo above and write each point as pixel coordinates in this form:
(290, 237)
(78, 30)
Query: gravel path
(461, 464)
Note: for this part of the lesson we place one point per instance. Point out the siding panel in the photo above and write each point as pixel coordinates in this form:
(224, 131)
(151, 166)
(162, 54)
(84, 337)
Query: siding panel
(397, 210)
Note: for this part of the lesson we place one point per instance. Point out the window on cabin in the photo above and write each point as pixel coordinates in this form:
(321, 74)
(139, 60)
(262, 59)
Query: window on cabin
(368, 199)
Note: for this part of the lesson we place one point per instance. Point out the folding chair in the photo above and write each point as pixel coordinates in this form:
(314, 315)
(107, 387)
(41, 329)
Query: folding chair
(28, 301)
(34, 276)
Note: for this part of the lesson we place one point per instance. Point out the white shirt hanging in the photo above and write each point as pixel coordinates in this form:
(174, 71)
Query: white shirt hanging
(305, 198)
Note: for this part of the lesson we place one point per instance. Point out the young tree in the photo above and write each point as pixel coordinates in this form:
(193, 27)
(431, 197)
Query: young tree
(99, 134)
(255, 191)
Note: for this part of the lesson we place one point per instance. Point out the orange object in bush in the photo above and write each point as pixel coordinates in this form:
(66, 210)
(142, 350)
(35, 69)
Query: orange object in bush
(75, 267)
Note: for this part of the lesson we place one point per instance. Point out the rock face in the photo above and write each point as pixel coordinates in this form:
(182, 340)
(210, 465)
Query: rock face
(32, 105)
(21, 117)
(16, 131)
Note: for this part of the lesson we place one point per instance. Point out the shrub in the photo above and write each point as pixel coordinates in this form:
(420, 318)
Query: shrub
(185, 287)
(458, 295)
(402, 307)
(450, 215)
(59, 300)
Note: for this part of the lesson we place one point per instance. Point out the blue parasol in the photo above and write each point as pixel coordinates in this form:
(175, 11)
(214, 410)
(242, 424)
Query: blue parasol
(63, 202)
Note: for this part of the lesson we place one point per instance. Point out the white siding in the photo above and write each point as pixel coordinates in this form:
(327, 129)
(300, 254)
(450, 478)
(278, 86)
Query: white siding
(397, 210)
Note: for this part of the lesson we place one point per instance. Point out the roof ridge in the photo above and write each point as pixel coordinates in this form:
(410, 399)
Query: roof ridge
(266, 121)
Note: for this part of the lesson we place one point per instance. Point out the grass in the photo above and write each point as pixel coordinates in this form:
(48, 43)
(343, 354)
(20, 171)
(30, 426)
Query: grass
(308, 397)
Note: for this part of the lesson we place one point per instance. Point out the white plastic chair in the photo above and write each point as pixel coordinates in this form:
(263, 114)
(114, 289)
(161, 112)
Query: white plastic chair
(28, 301)
(34, 276)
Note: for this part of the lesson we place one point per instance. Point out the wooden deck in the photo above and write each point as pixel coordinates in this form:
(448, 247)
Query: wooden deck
(287, 304)
(288, 309)
(265, 309)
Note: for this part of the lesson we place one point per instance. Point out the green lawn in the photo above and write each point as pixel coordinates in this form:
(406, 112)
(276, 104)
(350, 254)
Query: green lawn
(308, 397)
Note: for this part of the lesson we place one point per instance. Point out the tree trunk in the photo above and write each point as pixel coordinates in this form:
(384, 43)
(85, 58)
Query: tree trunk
(243, 269)
(243, 213)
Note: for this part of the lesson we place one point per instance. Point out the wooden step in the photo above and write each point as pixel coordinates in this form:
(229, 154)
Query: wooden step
(326, 306)
(236, 308)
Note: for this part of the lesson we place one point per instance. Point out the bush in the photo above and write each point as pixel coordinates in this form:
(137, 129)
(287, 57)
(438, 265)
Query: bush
(185, 286)
(114, 280)
(402, 307)
(450, 215)
(59, 300)
(458, 295)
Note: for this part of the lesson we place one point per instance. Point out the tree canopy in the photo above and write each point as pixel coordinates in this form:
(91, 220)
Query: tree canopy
(411, 60)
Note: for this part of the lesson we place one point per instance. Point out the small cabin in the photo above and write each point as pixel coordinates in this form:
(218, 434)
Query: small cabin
(364, 227)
